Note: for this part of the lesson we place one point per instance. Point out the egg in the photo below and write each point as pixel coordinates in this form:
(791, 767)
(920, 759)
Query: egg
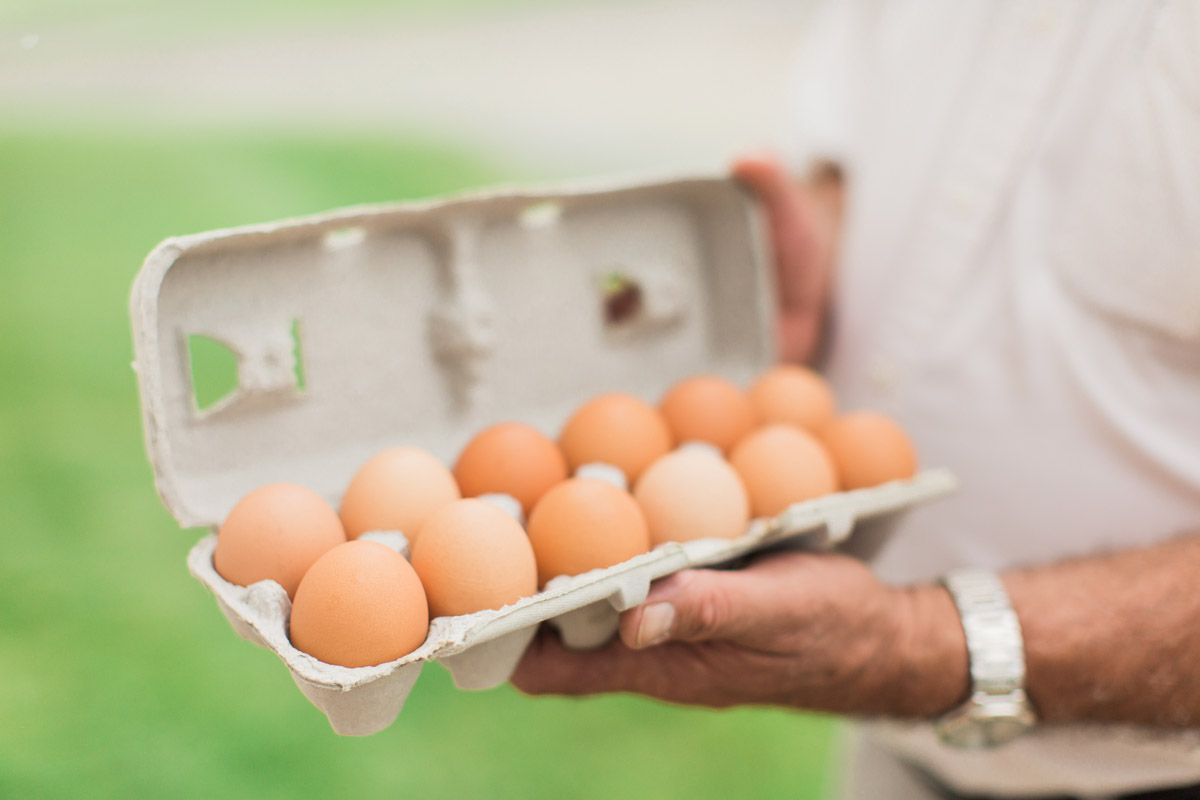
(360, 604)
(396, 490)
(276, 532)
(869, 449)
(780, 465)
(584, 524)
(617, 429)
(710, 409)
(512, 459)
(692, 494)
(472, 556)
(795, 395)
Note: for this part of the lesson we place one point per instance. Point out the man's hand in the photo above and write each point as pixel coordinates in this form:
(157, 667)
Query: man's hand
(815, 631)
(804, 222)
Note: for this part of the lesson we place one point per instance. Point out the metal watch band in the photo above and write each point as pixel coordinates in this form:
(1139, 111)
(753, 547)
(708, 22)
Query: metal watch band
(994, 644)
(998, 710)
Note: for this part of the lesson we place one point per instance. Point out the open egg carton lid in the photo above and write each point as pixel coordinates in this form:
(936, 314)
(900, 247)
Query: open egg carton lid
(421, 324)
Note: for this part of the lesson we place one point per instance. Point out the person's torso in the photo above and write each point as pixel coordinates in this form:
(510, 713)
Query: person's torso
(1021, 276)
(1020, 288)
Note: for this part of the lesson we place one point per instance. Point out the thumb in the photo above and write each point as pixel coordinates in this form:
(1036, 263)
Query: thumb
(761, 172)
(689, 606)
(799, 264)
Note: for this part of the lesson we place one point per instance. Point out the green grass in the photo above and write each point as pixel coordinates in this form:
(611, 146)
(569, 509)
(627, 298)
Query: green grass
(118, 675)
(123, 17)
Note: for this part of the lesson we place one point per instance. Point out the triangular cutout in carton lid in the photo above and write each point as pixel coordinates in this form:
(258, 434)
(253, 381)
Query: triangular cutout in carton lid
(422, 323)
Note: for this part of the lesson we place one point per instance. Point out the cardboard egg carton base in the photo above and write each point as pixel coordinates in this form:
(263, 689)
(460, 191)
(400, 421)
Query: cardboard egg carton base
(420, 324)
(481, 650)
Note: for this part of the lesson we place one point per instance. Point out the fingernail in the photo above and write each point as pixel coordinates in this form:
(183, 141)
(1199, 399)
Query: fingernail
(656, 623)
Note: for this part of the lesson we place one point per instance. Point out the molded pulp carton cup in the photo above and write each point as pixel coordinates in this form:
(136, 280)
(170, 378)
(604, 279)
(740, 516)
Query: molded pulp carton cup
(423, 323)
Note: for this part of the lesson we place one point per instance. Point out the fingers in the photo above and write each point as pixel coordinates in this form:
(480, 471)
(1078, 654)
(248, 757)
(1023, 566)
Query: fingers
(801, 251)
(693, 606)
(711, 675)
(654, 653)
(798, 336)
(763, 173)
(746, 606)
(718, 638)
(550, 668)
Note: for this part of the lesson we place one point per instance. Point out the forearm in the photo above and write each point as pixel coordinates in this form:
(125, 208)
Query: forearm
(1112, 638)
(1109, 638)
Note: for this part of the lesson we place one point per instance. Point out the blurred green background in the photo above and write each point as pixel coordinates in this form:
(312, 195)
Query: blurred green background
(119, 677)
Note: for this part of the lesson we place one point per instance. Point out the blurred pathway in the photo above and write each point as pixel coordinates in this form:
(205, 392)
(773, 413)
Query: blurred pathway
(566, 88)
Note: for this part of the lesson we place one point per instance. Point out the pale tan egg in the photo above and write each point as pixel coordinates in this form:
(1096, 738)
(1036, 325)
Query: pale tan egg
(584, 524)
(276, 532)
(795, 395)
(472, 556)
(360, 605)
(396, 490)
(617, 429)
(513, 459)
(692, 494)
(780, 465)
(710, 409)
(869, 449)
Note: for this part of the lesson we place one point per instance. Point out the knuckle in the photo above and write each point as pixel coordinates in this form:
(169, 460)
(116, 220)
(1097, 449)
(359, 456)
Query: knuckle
(710, 612)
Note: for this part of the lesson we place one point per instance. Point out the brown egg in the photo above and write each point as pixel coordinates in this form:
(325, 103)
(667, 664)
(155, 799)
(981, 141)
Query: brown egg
(795, 395)
(869, 449)
(512, 459)
(472, 556)
(708, 409)
(277, 532)
(692, 494)
(617, 429)
(584, 524)
(361, 604)
(780, 465)
(396, 490)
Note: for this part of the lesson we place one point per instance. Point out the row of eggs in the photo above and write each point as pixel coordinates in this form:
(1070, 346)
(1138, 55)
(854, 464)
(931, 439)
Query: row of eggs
(745, 454)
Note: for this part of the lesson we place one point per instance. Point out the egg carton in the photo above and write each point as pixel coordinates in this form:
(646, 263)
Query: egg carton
(422, 323)
(481, 650)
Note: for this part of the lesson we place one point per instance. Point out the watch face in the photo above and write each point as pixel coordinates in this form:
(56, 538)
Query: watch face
(999, 730)
(963, 732)
(978, 726)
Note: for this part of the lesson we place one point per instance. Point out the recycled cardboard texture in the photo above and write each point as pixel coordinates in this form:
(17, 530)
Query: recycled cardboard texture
(432, 321)
(481, 650)
(422, 323)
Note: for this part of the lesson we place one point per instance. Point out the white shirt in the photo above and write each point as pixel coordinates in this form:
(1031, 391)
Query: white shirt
(1020, 287)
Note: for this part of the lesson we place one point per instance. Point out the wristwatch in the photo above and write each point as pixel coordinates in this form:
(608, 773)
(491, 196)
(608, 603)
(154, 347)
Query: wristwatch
(998, 710)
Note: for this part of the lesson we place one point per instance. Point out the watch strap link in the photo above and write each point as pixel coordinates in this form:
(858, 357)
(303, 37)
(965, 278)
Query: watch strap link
(994, 642)
(998, 709)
